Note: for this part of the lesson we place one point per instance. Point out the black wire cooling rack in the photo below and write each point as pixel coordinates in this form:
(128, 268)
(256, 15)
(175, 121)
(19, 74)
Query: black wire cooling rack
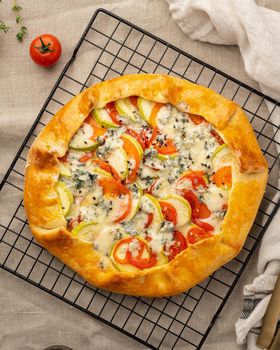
(109, 47)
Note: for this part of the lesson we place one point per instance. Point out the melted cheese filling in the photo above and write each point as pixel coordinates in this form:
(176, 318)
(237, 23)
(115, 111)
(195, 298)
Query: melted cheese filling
(158, 174)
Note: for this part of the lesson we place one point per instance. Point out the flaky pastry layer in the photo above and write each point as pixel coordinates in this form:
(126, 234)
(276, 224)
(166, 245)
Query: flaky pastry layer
(192, 265)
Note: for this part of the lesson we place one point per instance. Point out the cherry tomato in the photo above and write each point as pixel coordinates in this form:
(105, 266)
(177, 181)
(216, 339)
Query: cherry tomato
(179, 245)
(168, 211)
(114, 114)
(222, 178)
(45, 50)
(197, 234)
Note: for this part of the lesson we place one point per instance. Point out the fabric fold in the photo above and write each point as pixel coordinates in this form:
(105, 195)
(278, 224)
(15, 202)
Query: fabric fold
(256, 31)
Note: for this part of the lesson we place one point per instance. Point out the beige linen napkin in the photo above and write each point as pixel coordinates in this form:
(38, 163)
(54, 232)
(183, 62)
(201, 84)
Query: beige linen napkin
(256, 30)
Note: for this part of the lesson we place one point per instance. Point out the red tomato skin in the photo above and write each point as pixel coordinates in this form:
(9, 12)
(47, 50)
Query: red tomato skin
(142, 263)
(87, 156)
(168, 211)
(149, 220)
(196, 119)
(217, 137)
(138, 137)
(46, 59)
(114, 114)
(196, 179)
(113, 188)
(199, 209)
(204, 225)
(197, 234)
(133, 100)
(179, 245)
(167, 149)
(124, 241)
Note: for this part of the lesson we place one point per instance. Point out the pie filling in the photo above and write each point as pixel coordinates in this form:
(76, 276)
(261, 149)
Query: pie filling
(142, 182)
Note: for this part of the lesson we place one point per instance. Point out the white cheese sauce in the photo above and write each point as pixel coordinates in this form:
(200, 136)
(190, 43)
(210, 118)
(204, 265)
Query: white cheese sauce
(158, 175)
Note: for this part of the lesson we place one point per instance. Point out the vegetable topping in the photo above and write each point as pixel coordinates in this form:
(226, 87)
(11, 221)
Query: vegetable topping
(149, 179)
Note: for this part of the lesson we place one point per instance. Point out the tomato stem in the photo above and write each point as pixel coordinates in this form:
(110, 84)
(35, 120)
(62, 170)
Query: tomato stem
(45, 48)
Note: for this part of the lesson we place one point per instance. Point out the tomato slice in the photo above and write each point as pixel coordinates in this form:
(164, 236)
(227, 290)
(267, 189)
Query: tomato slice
(148, 238)
(98, 130)
(149, 220)
(142, 263)
(204, 225)
(114, 114)
(64, 159)
(73, 222)
(217, 137)
(133, 100)
(132, 153)
(223, 178)
(179, 245)
(84, 158)
(196, 119)
(113, 188)
(196, 234)
(151, 187)
(167, 147)
(191, 198)
(107, 167)
(120, 244)
(138, 137)
(134, 259)
(168, 211)
(204, 211)
(196, 178)
(148, 135)
(102, 165)
(154, 112)
(199, 209)
(225, 206)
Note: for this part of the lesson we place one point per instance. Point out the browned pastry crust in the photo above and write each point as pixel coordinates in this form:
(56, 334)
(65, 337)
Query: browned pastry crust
(193, 264)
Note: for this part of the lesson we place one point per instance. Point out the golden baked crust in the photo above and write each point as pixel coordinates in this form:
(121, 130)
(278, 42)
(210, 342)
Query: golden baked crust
(193, 264)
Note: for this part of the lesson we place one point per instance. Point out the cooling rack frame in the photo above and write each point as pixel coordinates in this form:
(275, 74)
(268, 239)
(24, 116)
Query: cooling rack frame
(160, 307)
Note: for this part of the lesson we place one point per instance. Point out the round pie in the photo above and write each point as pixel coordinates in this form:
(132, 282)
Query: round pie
(145, 184)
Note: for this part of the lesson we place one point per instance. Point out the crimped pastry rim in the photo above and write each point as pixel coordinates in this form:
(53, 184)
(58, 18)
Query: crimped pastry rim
(44, 212)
